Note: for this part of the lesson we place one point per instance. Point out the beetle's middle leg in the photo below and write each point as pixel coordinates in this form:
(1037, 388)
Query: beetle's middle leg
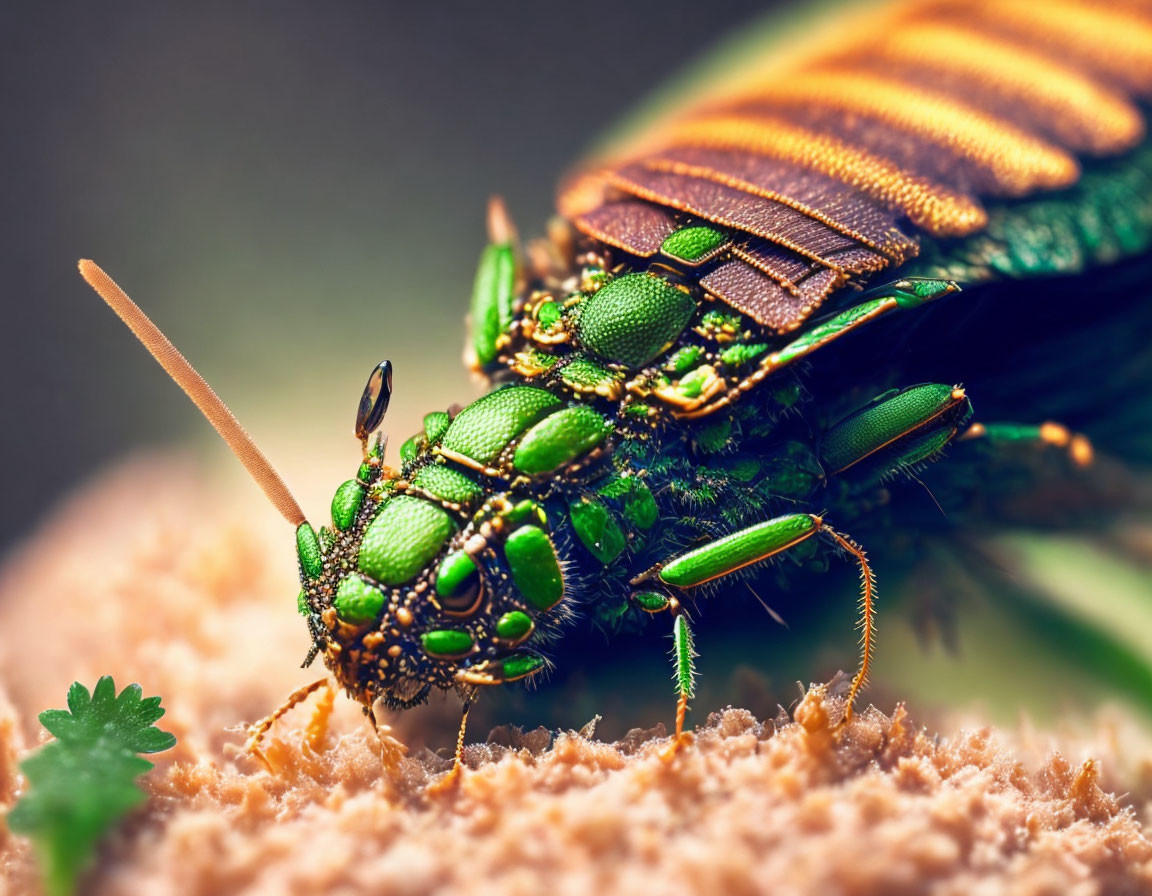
(725, 556)
(1046, 435)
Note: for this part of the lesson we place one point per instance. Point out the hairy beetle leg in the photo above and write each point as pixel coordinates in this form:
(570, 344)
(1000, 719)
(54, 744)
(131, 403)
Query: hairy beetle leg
(725, 556)
(684, 654)
(316, 728)
(1057, 435)
(451, 778)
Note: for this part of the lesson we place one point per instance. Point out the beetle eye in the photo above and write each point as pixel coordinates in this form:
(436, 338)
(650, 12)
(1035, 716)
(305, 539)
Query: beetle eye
(459, 586)
(374, 401)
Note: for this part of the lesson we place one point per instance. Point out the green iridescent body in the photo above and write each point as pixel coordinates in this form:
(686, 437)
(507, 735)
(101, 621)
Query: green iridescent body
(644, 445)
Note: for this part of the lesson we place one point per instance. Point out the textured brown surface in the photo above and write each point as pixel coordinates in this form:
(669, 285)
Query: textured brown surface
(907, 118)
(148, 576)
(818, 197)
(636, 227)
(764, 300)
(733, 208)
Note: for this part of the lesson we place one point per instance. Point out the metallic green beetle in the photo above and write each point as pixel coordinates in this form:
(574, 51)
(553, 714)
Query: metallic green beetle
(671, 402)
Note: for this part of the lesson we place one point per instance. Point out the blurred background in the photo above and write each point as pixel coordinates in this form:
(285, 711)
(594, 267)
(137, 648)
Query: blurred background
(295, 190)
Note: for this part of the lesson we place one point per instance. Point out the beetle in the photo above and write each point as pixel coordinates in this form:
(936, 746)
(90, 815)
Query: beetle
(683, 388)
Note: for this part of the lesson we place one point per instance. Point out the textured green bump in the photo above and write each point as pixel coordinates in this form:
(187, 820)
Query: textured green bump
(519, 665)
(586, 375)
(492, 294)
(411, 448)
(514, 626)
(308, 551)
(547, 314)
(447, 484)
(597, 529)
(406, 534)
(684, 359)
(693, 383)
(346, 504)
(435, 425)
(637, 503)
(737, 550)
(535, 567)
(883, 421)
(456, 570)
(560, 438)
(651, 601)
(302, 603)
(357, 601)
(483, 429)
(693, 243)
(634, 318)
(742, 353)
(524, 511)
(447, 642)
(915, 291)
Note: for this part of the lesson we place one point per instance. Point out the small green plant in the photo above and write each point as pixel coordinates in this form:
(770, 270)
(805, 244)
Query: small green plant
(83, 782)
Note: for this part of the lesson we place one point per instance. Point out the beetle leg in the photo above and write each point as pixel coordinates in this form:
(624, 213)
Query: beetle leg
(683, 655)
(451, 779)
(257, 731)
(896, 431)
(1078, 447)
(909, 293)
(725, 556)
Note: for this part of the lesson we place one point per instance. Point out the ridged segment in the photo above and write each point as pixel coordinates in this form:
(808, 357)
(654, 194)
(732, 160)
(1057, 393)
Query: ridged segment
(901, 123)
(1111, 43)
(763, 299)
(932, 207)
(1014, 161)
(636, 227)
(733, 208)
(1049, 95)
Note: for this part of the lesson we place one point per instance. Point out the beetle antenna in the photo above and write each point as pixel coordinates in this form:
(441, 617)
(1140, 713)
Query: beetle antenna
(186, 377)
(501, 230)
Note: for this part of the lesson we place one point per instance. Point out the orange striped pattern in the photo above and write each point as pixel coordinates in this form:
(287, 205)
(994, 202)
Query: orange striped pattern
(923, 111)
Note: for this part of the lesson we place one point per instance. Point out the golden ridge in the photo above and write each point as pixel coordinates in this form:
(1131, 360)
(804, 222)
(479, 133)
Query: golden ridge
(1018, 161)
(1115, 42)
(1087, 114)
(933, 207)
(705, 173)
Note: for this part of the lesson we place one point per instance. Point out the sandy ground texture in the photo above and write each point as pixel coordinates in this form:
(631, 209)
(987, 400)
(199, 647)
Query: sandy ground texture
(148, 576)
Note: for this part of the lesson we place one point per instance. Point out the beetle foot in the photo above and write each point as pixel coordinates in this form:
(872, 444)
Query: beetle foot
(448, 783)
(678, 742)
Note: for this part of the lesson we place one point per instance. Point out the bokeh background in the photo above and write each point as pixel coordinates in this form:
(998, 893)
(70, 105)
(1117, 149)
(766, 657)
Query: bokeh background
(296, 190)
(293, 190)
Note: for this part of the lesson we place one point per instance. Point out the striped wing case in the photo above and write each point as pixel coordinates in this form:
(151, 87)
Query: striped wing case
(833, 163)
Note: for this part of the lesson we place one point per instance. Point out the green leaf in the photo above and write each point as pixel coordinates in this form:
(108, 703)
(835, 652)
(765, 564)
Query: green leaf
(83, 783)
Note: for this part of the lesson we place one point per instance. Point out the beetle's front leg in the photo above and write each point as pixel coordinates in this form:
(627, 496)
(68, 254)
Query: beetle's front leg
(725, 556)
(316, 728)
